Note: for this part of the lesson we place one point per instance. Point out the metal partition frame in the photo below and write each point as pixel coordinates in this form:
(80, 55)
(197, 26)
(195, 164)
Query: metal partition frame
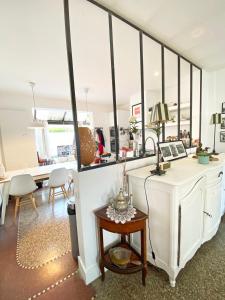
(72, 83)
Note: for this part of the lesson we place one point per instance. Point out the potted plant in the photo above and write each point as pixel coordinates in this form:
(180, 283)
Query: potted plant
(203, 154)
(133, 126)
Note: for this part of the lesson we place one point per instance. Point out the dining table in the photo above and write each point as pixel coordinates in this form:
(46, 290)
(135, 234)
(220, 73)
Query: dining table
(39, 173)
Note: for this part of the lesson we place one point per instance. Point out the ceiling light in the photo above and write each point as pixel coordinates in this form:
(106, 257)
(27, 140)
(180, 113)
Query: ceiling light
(35, 124)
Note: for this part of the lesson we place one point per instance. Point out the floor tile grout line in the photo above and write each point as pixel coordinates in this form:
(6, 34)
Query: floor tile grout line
(50, 287)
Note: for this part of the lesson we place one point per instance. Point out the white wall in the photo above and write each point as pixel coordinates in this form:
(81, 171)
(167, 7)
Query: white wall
(96, 188)
(218, 81)
(213, 96)
(18, 142)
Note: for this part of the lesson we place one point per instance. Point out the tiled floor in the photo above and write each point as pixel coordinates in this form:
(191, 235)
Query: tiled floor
(17, 283)
(44, 236)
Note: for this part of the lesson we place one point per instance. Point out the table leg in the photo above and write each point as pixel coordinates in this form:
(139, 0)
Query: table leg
(129, 239)
(101, 248)
(123, 238)
(143, 255)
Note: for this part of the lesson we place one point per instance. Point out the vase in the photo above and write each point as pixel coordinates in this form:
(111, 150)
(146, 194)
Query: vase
(135, 136)
(135, 144)
(203, 160)
(87, 146)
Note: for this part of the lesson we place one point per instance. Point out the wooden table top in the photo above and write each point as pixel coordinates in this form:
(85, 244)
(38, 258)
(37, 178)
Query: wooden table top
(101, 213)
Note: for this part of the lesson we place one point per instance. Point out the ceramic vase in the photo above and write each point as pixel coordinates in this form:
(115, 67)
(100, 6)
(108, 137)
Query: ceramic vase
(87, 146)
(135, 144)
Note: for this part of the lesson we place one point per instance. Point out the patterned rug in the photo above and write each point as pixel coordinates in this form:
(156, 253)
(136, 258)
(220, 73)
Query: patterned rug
(44, 237)
(202, 278)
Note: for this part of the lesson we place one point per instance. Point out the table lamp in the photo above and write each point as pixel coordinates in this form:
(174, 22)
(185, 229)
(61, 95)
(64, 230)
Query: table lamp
(216, 119)
(159, 116)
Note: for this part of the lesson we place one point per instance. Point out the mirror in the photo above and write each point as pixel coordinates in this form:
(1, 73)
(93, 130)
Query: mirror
(152, 86)
(185, 116)
(195, 105)
(128, 88)
(92, 73)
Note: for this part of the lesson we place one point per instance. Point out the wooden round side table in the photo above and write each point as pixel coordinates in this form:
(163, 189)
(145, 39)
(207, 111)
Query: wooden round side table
(138, 223)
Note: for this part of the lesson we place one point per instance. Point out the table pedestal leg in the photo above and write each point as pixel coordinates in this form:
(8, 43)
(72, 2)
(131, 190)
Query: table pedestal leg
(143, 255)
(101, 247)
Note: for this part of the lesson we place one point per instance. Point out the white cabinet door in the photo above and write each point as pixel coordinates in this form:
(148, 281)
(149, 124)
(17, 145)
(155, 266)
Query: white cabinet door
(191, 222)
(223, 195)
(212, 209)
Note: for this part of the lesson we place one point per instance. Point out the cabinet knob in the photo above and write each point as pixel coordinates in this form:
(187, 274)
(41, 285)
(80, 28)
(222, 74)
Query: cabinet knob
(220, 173)
(208, 214)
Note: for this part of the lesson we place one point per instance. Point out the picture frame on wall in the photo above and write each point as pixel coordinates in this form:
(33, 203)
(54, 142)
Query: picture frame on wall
(222, 121)
(222, 136)
(136, 111)
(172, 150)
(223, 108)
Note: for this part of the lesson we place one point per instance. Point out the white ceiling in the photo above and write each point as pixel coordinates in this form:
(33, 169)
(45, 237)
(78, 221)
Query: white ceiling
(195, 28)
(33, 43)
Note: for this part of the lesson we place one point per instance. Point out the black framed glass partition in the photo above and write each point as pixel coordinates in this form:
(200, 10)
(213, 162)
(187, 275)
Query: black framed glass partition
(152, 86)
(196, 106)
(92, 75)
(171, 93)
(185, 103)
(128, 88)
(117, 72)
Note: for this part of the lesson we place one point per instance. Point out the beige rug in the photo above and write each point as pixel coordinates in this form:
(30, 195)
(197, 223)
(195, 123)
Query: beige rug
(44, 237)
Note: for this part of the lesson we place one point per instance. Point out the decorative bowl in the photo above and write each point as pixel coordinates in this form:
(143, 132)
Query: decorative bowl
(120, 256)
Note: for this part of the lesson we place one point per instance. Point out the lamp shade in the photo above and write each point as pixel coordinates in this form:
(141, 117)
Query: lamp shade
(160, 114)
(216, 118)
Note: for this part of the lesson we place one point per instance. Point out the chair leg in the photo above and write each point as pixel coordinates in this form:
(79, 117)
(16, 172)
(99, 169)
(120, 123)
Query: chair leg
(64, 191)
(33, 202)
(53, 196)
(69, 187)
(50, 195)
(16, 207)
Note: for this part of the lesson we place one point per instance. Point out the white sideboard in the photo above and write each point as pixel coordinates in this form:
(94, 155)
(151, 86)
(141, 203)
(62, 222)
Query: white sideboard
(185, 209)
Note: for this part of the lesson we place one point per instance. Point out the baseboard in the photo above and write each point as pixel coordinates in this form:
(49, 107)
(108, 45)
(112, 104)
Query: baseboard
(88, 274)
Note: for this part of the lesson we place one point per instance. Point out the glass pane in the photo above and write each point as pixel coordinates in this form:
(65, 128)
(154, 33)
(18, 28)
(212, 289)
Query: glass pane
(92, 70)
(128, 87)
(152, 85)
(185, 103)
(195, 105)
(34, 44)
(171, 94)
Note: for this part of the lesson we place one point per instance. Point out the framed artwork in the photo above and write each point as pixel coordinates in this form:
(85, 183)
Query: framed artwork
(222, 136)
(136, 112)
(222, 121)
(223, 108)
(172, 150)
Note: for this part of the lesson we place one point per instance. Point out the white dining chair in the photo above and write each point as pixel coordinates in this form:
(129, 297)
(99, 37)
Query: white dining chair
(22, 188)
(57, 180)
